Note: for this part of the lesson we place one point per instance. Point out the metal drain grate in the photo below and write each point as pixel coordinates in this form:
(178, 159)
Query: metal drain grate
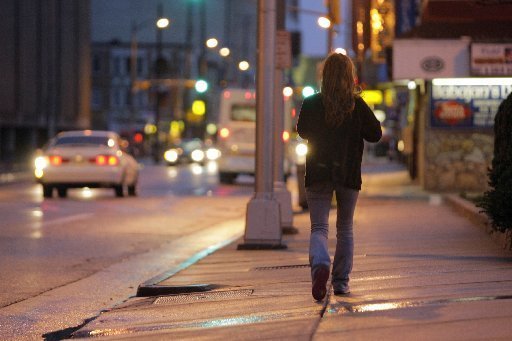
(281, 267)
(204, 296)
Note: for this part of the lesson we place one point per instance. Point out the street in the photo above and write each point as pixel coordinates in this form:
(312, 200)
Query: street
(54, 252)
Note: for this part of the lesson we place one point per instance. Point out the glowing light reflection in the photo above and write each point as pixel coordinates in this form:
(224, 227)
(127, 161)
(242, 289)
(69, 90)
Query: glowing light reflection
(172, 172)
(212, 167)
(233, 321)
(196, 169)
(87, 193)
(379, 307)
(36, 234)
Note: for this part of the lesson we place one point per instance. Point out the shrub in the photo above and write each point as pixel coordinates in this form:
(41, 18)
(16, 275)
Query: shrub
(497, 201)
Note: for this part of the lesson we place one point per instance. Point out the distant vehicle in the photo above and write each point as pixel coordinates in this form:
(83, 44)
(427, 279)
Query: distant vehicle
(190, 151)
(237, 134)
(86, 158)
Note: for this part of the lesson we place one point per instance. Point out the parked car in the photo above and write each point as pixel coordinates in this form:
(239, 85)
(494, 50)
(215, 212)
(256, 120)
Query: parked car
(190, 151)
(86, 158)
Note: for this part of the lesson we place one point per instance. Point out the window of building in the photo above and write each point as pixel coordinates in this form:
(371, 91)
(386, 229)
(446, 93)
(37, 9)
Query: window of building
(116, 98)
(128, 65)
(96, 64)
(117, 66)
(128, 97)
(96, 99)
(140, 66)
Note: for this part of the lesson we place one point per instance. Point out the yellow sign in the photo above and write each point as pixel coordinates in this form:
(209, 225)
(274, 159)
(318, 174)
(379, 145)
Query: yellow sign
(372, 96)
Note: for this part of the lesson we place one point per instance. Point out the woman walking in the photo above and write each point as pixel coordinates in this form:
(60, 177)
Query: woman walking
(335, 122)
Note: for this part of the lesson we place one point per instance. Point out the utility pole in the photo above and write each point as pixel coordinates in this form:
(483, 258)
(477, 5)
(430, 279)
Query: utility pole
(133, 75)
(263, 221)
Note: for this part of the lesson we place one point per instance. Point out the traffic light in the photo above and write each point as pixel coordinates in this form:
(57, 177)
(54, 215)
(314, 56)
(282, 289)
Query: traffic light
(201, 86)
(334, 11)
(199, 107)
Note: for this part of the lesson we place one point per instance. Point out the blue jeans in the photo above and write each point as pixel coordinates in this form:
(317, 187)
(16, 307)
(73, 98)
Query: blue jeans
(319, 197)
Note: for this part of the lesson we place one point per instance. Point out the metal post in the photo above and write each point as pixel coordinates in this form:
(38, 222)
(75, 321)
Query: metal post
(330, 30)
(133, 74)
(263, 221)
(330, 38)
(156, 145)
(281, 193)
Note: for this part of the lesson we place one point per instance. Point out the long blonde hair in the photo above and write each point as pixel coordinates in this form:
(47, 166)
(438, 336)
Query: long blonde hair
(338, 88)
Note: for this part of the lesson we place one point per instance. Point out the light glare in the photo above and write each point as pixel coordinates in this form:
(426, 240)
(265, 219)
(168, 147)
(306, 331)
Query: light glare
(162, 23)
(243, 65)
(212, 42)
(287, 91)
(307, 91)
(324, 22)
(224, 52)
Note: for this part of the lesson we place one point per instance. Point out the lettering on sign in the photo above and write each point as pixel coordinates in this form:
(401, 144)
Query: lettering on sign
(466, 106)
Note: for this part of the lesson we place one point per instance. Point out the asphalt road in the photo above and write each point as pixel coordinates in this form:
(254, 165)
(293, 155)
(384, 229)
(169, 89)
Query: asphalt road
(62, 260)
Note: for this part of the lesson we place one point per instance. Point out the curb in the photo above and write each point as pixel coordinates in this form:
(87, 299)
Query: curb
(473, 214)
(152, 286)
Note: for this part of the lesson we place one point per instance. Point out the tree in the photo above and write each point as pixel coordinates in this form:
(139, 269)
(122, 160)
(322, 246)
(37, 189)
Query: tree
(497, 201)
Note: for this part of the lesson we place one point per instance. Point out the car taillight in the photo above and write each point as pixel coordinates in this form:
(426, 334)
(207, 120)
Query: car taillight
(55, 160)
(106, 160)
(224, 133)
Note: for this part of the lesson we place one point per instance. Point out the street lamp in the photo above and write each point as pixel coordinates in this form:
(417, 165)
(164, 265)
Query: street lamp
(324, 22)
(212, 43)
(224, 52)
(243, 65)
(160, 23)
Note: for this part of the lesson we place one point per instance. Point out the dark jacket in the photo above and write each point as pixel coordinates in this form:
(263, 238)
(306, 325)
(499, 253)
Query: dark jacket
(335, 154)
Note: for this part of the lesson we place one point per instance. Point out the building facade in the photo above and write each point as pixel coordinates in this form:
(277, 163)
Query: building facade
(45, 66)
(128, 102)
(456, 72)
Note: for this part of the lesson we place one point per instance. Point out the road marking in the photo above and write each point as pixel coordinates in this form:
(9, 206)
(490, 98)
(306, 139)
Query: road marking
(59, 221)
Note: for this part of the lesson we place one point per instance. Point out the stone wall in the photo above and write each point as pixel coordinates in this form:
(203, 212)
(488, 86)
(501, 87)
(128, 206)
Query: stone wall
(457, 161)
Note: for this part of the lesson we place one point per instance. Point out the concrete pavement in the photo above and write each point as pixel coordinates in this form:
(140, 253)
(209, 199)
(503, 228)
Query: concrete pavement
(421, 271)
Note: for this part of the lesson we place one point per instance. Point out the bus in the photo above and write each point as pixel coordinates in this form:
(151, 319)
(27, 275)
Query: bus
(237, 134)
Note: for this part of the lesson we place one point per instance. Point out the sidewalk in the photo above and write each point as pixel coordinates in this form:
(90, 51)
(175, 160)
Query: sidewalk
(421, 271)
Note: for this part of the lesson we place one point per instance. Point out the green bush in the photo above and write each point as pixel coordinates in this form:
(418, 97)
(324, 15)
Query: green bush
(497, 201)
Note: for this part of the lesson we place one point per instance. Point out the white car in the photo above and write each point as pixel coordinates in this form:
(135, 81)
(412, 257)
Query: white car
(86, 158)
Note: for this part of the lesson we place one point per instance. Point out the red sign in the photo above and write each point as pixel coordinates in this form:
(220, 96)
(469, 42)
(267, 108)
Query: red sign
(452, 112)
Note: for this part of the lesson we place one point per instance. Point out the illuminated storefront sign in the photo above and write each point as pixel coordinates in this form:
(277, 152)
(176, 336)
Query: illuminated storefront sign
(467, 102)
(382, 22)
(491, 59)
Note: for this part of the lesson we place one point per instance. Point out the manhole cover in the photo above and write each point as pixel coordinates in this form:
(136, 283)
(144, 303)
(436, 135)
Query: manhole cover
(206, 296)
(281, 267)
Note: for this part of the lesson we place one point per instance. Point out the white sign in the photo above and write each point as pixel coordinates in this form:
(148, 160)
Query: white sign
(283, 50)
(428, 59)
(491, 59)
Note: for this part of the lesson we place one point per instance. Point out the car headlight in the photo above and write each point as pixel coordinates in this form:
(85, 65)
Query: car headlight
(212, 154)
(40, 162)
(197, 155)
(301, 149)
(171, 155)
